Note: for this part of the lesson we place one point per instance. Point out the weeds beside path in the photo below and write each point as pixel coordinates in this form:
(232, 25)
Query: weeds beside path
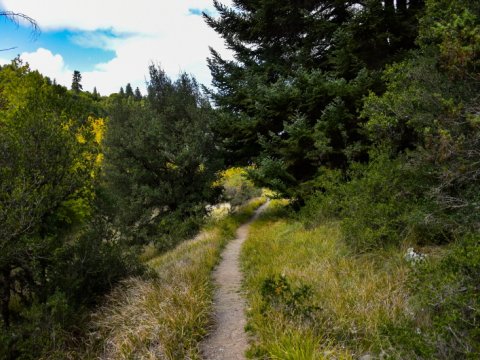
(309, 297)
(167, 315)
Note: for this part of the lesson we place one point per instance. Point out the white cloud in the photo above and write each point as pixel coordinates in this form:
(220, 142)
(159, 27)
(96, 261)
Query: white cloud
(158, 31)
(49, 64)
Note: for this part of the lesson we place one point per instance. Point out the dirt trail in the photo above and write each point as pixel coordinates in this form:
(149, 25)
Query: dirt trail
(228, 340)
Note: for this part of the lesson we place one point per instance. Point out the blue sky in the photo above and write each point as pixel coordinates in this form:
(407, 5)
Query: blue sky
(111, 42)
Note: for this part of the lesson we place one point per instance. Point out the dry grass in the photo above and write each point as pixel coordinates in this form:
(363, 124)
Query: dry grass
(353, 296)
(166, 315)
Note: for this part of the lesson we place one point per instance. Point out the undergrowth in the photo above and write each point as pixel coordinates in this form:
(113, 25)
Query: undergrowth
(311, 298)
(166, 314)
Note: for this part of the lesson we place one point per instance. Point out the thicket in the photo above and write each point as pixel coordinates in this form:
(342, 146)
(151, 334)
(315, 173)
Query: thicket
(85, 182)
(368, 113)
(161, 161)
(290, 99)
(56, 257)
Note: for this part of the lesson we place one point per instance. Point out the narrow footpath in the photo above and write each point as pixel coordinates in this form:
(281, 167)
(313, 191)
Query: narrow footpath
(228, 340)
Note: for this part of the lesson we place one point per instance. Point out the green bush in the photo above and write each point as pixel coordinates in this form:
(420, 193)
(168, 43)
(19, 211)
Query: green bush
(91, 265)
(295, 302)
(377, 206)
(326, 204)
(447, 294)
(442, 319)
(237, 188)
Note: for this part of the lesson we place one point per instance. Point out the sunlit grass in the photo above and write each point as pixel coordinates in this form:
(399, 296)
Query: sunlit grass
(165, 316)
(352, 297)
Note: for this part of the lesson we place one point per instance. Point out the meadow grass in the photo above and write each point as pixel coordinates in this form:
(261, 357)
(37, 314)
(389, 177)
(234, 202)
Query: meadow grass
(309, 297)
(165, 315)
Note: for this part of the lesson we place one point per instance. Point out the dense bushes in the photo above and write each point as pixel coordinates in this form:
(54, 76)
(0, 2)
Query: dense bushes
(57, 254)
(237, 189)
(421, 183)
(447, 301)
(161, 160)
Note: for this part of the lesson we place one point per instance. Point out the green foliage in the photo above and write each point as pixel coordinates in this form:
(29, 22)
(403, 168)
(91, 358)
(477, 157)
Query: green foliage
(92, 264)
(76, 81)
(237, 189)
(375, 204)
(291, 99)
(443, 318)
(279, 295)
(430, 106)
(54, 262)
(421, 183)
(447, 291)
(161, 161)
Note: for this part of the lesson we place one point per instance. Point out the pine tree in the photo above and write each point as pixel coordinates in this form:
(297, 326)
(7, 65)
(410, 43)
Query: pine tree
(95, 93)
(137, 95)
(128, 91)
(76, 81)
(161, 159)
(290, 99)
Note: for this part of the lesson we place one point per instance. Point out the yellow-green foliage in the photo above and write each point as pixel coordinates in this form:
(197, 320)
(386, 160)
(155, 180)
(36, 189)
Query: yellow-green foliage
(309, 298)
(237, 187)
(165, 316)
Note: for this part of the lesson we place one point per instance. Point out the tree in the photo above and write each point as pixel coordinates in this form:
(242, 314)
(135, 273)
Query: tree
(430, 108)
(128, 90)
(161, 160)
(137, 95)
(429, 119)
(76, 81)
(45, 174)
(291, 98)
(95, 94)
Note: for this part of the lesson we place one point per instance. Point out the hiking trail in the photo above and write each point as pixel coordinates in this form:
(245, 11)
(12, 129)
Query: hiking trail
(228, 340)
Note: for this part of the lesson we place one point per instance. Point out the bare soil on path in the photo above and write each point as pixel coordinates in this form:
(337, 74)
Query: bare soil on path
(228, 340)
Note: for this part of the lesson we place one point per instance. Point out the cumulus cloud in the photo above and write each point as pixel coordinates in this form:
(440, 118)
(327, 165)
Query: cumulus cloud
(51, 65)
(170, 33)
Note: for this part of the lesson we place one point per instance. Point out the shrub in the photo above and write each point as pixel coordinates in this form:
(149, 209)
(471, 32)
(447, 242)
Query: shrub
(447, 301)
(278, 293)
(378, 205)
(237, 189)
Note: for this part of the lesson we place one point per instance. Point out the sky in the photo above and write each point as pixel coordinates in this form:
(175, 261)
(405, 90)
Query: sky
(112, 42)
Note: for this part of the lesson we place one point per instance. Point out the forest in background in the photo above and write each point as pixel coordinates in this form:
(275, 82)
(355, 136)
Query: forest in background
(361, 112)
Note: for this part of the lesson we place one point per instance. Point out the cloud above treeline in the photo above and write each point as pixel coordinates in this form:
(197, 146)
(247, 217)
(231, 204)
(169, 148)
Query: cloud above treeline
(171, 33)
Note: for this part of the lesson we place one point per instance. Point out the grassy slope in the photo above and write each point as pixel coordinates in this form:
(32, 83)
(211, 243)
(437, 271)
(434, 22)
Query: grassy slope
(320, 301)
(165, 316)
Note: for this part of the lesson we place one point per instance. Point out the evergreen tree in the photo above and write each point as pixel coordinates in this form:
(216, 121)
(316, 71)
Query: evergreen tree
(128, 90)
(95, 93)
(161, 160)
(121, 92)
(290, 99)
(137, 95)
(76, 81)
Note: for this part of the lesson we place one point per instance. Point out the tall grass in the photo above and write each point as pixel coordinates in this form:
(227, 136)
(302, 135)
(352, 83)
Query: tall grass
(310, 298)
(164, 315)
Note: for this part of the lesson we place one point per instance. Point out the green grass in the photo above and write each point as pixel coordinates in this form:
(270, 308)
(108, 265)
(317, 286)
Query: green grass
(310, 298)
(164, 315)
